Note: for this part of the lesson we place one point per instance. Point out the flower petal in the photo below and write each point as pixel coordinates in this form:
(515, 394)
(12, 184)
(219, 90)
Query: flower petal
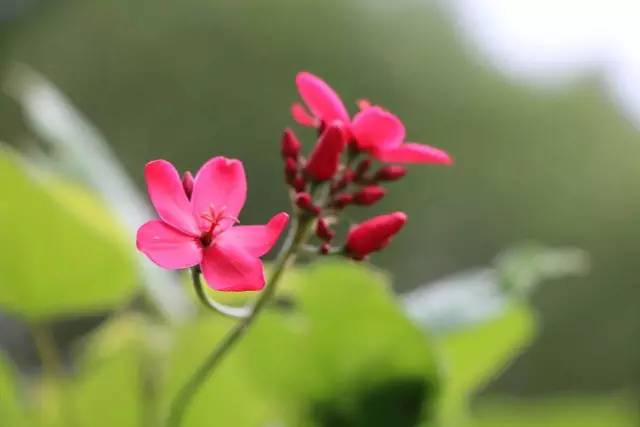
(168, 196)
(414, 153)
(257, 240)
(228, 267)
(375, 128)
(168, 247)
(321, 99)
(221, 184)
(302, 116)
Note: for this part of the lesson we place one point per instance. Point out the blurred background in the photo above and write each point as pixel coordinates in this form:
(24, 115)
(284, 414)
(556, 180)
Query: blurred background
(537, 101)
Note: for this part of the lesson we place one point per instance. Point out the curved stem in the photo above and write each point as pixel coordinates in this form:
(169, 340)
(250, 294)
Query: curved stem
(218, 307)
(47, 349)
(295, 239)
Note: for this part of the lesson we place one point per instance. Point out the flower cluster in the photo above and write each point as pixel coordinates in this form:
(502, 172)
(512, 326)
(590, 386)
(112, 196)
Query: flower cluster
(198, 215)
(343, 158)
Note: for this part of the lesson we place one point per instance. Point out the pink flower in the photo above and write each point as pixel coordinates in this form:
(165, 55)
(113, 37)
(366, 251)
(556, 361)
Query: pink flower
(373, 129)
(373, 234)
(202, 230)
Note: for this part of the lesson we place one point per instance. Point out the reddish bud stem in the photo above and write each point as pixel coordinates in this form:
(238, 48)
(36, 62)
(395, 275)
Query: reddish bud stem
(390, 173)
(290, 170)
(374, 234)
(323, 230)
(362, 168)
(325, 158)
(290, 147)
(346, 179)
(187, 183)
(342, 200)
(305, 202)
(369, 195)
(299, 184)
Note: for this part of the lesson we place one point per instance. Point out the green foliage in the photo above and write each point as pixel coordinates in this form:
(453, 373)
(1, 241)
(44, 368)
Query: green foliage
(345, 354)
(474, 356)
(62, 252)
(481, 320)
(566, 411)
(11, 413)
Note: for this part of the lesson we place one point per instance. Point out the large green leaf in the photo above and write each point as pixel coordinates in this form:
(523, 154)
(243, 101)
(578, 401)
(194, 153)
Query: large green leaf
(344, 355)
(11, 412)
(474, 356)
(61, 252)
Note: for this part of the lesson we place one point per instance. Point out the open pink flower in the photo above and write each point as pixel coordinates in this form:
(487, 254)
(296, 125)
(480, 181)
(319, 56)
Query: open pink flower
(202, 230)
(373, 129)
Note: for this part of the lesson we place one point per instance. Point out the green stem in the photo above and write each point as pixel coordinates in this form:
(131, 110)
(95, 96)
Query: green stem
(218, 307)
(295, 239)
(47, 350)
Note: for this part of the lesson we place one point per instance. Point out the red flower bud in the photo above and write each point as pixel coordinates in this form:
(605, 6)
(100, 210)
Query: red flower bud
(369, 195)
(305, 202)
(325, 157)
(325, 248)
(290, 147)
(323, 231)
(187, 183)
(290, 169)
(342, 200)
(373, 234)
(390, 173)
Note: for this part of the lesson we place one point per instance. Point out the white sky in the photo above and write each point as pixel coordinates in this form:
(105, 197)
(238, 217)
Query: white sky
(549, 41)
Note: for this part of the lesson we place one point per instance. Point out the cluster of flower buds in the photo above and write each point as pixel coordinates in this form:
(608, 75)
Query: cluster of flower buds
(340, 170)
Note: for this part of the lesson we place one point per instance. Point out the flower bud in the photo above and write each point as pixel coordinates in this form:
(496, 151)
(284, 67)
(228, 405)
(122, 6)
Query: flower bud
(390, 173)
(342, 200)
(323, 231)
(305, 202)
(325, 248)
(374, 234)
(290, 147)
(187, 183)
(325, 158)
(290, 169)
(369, 195)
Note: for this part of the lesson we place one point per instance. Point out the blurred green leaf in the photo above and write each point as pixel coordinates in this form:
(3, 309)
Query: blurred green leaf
(62, 254)
(78, 148)
(11, 412)
(119, 375)
(481, 320)
(344, 355)
(565, 411)
(525, 266)
(474, 356)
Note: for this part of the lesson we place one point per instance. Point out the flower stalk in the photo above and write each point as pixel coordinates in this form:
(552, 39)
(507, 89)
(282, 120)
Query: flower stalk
(296, 238)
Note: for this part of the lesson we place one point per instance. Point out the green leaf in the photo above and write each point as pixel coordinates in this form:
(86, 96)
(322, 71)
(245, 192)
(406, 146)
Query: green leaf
(62, 252)
(566, 411)
(344, 355)
(525, 266)
(474, 356)
(119, 375)
(11, 412)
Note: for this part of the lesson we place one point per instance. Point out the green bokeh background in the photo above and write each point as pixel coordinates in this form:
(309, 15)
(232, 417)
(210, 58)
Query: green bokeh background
(188, 80)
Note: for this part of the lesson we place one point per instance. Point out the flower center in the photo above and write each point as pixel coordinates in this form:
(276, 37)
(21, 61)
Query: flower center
(214, 217)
